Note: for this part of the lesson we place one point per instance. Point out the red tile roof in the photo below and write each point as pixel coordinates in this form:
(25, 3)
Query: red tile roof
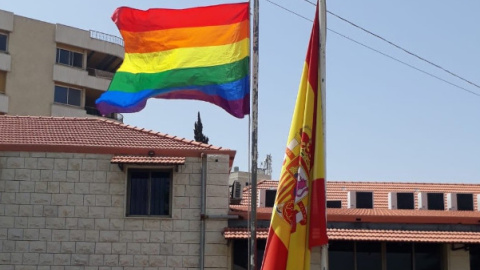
(375, 235)
(148, 160)
(380, 213)
(93, 135)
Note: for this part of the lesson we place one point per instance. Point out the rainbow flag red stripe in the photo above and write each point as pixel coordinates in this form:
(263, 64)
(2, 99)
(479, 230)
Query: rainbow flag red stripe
(299, 218)
(197, 53)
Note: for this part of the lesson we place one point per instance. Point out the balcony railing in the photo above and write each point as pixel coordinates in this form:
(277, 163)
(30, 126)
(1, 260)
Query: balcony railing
(115, 116)
(106, 37)
(100, 73)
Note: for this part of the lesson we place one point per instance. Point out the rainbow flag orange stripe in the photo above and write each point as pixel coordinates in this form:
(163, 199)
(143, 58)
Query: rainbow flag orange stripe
(299, 218)
(196, 53)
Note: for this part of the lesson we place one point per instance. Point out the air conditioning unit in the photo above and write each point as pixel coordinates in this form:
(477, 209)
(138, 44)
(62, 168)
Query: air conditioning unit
(236, 190)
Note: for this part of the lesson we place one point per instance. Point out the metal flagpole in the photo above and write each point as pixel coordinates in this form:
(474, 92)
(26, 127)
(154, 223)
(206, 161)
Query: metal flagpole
(254, 93)
(322, 17)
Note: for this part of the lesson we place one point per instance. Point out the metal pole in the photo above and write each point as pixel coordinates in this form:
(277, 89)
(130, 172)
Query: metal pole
(322, 17)
(254, 92)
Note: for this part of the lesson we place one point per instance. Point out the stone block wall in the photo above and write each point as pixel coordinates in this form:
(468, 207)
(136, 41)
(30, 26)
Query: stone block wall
(62, 211)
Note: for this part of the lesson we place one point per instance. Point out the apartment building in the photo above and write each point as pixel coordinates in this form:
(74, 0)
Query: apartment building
(53, 69)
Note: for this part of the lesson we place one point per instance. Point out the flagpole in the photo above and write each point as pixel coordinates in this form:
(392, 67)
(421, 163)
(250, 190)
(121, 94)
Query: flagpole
(322, 17)
(253, 198)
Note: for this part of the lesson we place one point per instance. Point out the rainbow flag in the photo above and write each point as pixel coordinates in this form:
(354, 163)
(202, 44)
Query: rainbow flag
(197, 53)
(299, 217)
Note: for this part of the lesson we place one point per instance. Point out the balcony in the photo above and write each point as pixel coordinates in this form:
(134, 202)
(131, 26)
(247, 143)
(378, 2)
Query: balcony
(80, 77)
(3, 103)
(5, 61)
(100, 73)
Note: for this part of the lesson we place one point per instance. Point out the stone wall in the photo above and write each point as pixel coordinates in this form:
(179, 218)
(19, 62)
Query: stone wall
(67, 211)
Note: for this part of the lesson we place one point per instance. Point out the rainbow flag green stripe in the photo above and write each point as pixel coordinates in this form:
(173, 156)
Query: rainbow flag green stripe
(201, 76)
(163, 60)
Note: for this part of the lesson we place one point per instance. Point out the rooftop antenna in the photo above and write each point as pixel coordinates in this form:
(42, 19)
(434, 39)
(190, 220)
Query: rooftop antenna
(267, 165)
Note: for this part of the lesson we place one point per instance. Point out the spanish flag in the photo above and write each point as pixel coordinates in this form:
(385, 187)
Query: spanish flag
(197, 53)
(299, 218)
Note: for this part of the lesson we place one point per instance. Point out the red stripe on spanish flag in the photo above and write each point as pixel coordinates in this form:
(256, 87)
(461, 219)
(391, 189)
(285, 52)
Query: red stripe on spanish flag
(299, 220)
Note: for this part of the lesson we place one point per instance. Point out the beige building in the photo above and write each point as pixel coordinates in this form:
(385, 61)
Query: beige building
(89, 193)
(53, 69)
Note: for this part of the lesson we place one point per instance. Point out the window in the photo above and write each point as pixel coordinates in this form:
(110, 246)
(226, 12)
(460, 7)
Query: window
(364, 200)
(69, 58)
(349, 255)
(474, 251)
(3, 42)
(148, 193)
(270, 198)
(414, 256)
(405, 200)
(334, 204)
(341, 255)
(465, 202)
(399, 256)
(428, 256)
(3, 80)
(67, 95)
(435, 201)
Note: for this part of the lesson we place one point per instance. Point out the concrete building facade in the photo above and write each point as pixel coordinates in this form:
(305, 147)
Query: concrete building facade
(56, 69)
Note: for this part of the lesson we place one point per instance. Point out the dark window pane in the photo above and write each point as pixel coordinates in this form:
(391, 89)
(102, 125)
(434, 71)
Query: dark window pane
(334, 204)
(270, 198)
(465, 202)
(428, 256)
(474, 256)
(435, 201)
(399, 256)
(340, 255)
(77, 59)
(405, 201)
(138, 193)
(63, 56)
(74, 97)
(3, 42)
(369, 256)
(60, 94)
(364, 200)
(160, 193)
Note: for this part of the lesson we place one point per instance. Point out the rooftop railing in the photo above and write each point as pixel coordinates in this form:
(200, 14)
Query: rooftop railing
(106, 37)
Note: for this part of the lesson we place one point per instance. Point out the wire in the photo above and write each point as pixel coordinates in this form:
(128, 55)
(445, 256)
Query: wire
(399, 47)
(377, 51)
(406, 64)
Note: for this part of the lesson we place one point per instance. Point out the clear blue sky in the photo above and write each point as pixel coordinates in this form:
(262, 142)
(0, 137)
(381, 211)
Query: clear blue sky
(385, 121)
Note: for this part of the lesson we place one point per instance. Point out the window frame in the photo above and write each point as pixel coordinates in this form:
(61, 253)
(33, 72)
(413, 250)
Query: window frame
(359, 200)
(168, 170)
(6, 42)
(334, 204)
(401, 200)
(431, 203)
(471, 205)
(68, 88)
(71, 58)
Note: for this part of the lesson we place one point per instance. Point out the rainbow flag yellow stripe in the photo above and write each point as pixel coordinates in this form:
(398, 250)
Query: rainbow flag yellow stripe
(196, 53)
